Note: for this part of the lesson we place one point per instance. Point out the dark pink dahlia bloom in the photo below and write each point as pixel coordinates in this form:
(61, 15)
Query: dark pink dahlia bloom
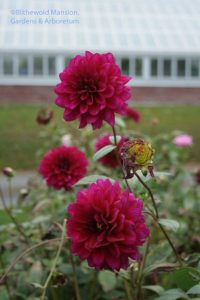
(133, 114)
(110, 159)
(106, 226)
(62, 167)
(92, 90)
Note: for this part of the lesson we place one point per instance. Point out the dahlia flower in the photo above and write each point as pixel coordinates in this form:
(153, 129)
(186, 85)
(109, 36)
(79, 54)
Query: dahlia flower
(92, 90)
(109, 159)
(183, 140)
(106, 226)
(133, 114)
(63, 167)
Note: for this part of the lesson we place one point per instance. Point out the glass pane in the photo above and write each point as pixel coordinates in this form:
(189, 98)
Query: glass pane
(195, 68)
(8, 65)
(167, 67)
(52, 65)
(125, 66)
(37, 65)
(23, 66)
(138, 67)
(181, 67)
(154, 67)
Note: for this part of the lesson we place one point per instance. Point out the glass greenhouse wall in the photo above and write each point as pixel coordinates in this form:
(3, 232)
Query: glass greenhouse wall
(155, 41)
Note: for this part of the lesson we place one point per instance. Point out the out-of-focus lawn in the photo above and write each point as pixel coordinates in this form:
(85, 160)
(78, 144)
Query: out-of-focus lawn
(19, 132)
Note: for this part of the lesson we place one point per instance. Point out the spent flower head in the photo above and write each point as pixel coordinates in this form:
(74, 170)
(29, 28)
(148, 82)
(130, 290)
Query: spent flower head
(137, 154)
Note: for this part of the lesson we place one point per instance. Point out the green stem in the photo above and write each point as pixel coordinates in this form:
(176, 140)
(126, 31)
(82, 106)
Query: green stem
(6, 282)
(156, 217)
(55, 261)
(10, 191)
(8, 211)
(139, 294)
(76, 287)
(118, 159)
(150, 193)
(17, 259)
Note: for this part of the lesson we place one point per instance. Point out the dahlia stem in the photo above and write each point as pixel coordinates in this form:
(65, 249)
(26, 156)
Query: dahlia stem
(150, 193)
(10, 191)
(9, 212)
(156, 217)
(118, 159)
(18, 258)
(139, 294)
(55, 261)
(76, 287)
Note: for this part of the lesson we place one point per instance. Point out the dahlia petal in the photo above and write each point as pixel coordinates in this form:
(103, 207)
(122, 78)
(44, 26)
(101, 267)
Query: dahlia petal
(98, 257)
(70, 115)
(60, 102)
(83, 108)
(109, 117)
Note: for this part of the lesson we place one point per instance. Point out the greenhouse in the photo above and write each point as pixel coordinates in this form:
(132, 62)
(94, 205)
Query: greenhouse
(157, 42)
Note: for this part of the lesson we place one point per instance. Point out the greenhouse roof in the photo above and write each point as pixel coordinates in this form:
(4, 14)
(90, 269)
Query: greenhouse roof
(102, 25)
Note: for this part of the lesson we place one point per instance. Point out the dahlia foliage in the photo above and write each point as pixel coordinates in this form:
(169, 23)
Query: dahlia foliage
(110, 159)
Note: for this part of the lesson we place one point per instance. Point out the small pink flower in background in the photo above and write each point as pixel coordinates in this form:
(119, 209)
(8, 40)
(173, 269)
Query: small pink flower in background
(66, 140)
(92, 90)
(183, 140)
(133, 114)
(106, 226)
(110, 159)
(62, 167)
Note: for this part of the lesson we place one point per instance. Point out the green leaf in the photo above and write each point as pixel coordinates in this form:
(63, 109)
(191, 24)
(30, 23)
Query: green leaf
(103, 151)
(112, 139)
(91, 179)
(194, 290)
(163, 174)
(120, 122)
(172, 294)
(155, 288)
(185, 278)
(169, 224)
(37, 285)
(160, 267)
(107, 280)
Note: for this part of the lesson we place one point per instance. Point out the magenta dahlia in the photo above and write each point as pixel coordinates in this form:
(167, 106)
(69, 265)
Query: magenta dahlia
(133, 114)
(62, 167)
(109, 159)
(106, 226)
(92, 90)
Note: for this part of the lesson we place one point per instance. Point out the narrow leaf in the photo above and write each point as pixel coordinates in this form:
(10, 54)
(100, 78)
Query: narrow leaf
(112, 139)
(170, 224)
(155, 288)
(91, 179)
(194, 290)
(103, 151)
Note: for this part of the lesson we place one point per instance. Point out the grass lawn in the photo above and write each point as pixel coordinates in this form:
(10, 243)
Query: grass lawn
(19, 132)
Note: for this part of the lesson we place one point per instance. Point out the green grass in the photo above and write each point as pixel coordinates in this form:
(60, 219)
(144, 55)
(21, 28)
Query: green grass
(19, 132)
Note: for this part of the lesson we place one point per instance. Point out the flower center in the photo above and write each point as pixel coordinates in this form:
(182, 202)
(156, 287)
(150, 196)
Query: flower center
(99, 227)
(63, 165)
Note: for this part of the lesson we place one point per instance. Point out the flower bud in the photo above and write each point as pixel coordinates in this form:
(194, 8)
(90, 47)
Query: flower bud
(44, 116)
(8, 172)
